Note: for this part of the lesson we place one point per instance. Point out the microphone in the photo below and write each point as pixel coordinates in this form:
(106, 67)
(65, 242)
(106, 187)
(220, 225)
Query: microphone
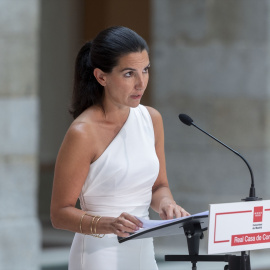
(188, 121)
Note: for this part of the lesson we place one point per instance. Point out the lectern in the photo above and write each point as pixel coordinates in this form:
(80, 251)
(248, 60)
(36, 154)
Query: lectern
(233, 227)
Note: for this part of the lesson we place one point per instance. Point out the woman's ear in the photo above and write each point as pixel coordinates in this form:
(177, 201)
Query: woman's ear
(100, 76)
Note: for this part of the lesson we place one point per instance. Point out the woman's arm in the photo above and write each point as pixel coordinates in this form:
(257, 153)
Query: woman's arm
(162, 199)
(71, 170)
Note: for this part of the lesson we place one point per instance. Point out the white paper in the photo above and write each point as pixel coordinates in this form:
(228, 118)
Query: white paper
(154, 223)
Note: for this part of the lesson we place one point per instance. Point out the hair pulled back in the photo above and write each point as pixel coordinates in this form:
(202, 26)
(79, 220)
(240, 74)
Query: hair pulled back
(103, 53)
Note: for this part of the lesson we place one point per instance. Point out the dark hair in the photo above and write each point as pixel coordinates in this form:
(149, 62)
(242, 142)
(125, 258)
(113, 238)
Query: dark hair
(103, 53)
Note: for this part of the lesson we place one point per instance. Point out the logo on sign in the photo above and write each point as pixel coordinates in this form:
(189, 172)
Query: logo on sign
(258, 214)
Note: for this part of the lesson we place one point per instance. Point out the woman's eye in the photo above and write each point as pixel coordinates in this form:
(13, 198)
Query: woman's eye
(146, 70)
(128, 74)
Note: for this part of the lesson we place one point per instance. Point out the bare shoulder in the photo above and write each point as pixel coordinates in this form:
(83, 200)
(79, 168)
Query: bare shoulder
(80, 139)
(82, 127)
(79, 132)
(155, 115)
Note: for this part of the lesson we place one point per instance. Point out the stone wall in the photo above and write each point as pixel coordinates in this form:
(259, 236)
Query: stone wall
(19, 103)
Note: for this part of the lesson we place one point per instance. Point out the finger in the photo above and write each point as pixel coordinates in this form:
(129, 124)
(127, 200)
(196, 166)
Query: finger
(120, 225)
(167, 213)
(162, 216)
(170, 211)
(178, 212)
(124, 228)
(184, 212)
(133, 220)
(127, 224)
(121, 234)
(121, 230)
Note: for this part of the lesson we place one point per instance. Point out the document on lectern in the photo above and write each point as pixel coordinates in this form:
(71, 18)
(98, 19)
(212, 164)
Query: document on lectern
(157, 228)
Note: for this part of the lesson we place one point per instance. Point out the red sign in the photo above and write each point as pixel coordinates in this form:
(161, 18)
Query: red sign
(258, 214)
(252, 238)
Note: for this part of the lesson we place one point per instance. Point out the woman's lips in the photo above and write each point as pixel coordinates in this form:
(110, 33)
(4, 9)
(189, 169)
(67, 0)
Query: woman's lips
(136, 96)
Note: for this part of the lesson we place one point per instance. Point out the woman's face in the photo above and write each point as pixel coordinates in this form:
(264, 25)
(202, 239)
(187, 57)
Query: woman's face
(125, 85)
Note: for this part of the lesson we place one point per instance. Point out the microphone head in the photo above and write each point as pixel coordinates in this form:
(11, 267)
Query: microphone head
(185, 119)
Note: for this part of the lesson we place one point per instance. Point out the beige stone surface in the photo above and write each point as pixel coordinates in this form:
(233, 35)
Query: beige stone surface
(20, 235)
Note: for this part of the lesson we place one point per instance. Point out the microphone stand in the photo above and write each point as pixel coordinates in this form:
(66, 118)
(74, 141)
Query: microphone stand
(251, 196)
(194, 232)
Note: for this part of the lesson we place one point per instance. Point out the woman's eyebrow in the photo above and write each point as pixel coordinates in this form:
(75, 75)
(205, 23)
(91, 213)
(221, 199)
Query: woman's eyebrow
(124, 69)
(133, 69)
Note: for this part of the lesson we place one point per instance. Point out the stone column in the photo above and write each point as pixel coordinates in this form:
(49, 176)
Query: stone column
(19, 225)
(210, 59)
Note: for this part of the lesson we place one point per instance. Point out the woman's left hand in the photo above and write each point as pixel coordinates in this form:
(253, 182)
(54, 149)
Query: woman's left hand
(169, 209)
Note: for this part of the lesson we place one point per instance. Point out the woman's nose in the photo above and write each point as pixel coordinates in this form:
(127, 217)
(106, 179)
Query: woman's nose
(140, 83)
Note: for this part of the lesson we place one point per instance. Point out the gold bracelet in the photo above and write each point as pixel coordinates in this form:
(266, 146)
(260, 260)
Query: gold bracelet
(98, 235)
(96, 225)
(91, 226)
(93, 229)
(81, 221)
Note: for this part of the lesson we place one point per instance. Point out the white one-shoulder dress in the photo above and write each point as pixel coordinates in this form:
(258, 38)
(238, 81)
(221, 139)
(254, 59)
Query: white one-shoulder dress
(120, 180)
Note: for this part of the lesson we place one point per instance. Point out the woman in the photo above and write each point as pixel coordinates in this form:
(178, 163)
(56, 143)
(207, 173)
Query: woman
(112, 157)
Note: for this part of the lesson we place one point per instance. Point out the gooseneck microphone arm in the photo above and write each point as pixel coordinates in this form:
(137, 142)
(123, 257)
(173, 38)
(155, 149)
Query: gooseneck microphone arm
(238, 154)
(188, 121)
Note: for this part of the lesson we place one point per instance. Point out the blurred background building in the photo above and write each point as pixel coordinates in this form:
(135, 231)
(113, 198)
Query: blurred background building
(209, 59)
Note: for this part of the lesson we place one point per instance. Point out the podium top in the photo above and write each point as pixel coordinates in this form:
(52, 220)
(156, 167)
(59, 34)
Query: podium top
(168, 227)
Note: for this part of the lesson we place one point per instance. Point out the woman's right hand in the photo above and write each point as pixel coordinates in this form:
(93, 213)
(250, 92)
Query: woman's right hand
(124, 225)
